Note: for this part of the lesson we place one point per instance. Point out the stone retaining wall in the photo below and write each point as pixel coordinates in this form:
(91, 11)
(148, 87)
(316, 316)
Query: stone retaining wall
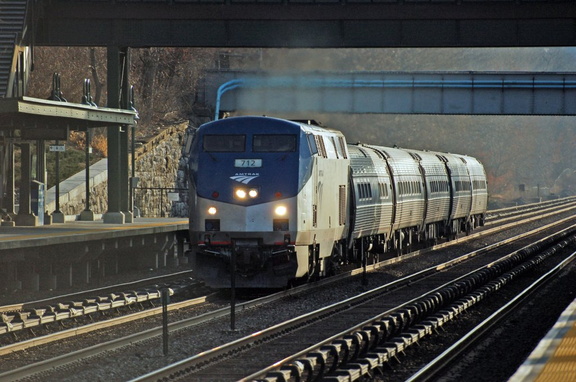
(157, 165)
(162, 187)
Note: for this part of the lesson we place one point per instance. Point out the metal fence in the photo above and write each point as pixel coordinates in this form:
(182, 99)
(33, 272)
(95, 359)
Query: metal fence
(160, 202)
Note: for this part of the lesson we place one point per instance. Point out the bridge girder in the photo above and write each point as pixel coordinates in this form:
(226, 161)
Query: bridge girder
(302, 23)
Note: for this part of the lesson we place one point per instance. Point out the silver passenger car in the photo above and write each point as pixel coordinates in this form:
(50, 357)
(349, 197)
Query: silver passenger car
(436, 193)
(402, 196)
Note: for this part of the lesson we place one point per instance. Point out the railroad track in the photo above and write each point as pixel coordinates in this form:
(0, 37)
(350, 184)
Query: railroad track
(522, 210)
(436, 367)
(102, 302)
(388, 320)
(224, 312)
(145, 283)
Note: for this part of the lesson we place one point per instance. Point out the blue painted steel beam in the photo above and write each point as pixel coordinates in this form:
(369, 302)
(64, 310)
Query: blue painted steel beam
(411, 93)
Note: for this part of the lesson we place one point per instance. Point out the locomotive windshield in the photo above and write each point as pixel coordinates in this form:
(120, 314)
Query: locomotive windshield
(224, 143)
(273, 143)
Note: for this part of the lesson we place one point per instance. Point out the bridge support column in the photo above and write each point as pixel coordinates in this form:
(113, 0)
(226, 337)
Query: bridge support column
(41, 176)
(114, 215)
(125, 206)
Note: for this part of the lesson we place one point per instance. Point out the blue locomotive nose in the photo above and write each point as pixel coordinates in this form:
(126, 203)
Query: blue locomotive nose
(248, 163)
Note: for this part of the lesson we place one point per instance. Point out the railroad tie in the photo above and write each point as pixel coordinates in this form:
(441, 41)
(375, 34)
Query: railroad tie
(373, 360)
(294, 370)
(278, 376)
(338, 377)
(356, 370)
(388, 348)
(434, 323)
(318, 358)
(398, 317)
(333, 351)
(376, 334)
(400, 343)
(386, 327)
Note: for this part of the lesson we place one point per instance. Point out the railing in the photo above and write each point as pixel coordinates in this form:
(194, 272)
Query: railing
(160, 202)
(15, 58)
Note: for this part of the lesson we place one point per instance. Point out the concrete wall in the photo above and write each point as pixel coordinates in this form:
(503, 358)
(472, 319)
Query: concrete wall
(73, 191)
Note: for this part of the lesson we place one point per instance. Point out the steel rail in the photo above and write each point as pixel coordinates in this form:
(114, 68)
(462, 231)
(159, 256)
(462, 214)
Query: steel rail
(529, 205)
(261, 336)
(475, 235)
(108, 289)
(519, 210)
(124, 341)
(96, 326)
(35, 368)
(432, 368)
(111, 288)
(358, 327)
(527, 212)
(84, 306)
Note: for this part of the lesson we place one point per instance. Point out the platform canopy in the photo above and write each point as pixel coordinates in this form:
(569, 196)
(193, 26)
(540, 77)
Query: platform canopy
(44, 119)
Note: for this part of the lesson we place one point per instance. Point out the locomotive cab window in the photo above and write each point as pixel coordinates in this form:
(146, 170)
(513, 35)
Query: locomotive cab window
(273, 143)
(224, 143)
(312, 144)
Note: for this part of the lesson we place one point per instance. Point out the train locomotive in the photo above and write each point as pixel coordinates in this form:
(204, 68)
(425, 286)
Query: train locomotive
(292, 201)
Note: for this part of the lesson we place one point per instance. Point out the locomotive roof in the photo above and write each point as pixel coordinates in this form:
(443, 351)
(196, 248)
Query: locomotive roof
(309, 126)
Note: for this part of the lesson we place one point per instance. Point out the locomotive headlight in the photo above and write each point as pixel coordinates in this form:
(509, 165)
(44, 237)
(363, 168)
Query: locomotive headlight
(242, 193)
(280, 210)
(212, 210)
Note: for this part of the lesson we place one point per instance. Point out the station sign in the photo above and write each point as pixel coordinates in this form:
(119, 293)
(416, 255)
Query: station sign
(58, 148)
(173, 196)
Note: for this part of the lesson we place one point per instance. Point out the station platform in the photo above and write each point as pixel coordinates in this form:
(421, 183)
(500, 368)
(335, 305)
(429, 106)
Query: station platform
(83, 231)
(554, 359)
(78, 253)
